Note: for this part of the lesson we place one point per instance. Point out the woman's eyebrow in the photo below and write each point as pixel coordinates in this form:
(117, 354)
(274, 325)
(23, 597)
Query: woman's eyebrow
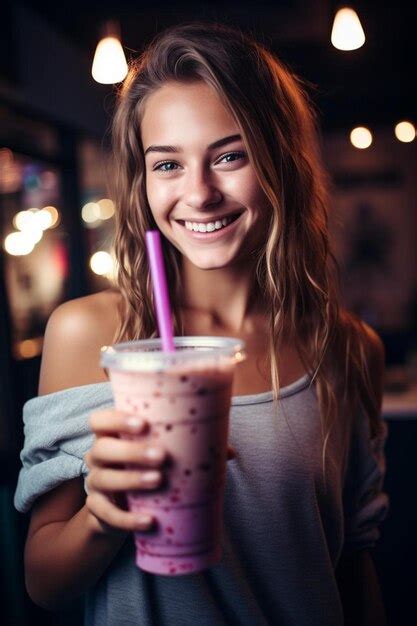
(217, 144)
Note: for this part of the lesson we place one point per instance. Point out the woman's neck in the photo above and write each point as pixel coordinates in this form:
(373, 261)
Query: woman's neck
(226, 298)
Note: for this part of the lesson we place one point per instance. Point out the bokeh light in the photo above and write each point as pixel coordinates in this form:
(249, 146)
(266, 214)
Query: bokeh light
(35, 233)
(19, 243)
(90, 212)
(405, 131)
(43, 219)
(101, 263)
(29, 348)
(106, 207)
(361, 137)
(54, 215)
(23, 220)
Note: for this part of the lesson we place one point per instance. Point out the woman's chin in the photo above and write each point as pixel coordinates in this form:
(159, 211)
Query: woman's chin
(210, 261)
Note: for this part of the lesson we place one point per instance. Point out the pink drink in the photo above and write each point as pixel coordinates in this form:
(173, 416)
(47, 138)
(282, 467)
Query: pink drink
(185, 396)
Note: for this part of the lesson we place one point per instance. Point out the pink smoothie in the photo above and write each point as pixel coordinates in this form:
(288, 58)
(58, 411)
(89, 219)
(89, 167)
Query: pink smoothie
(187, 407)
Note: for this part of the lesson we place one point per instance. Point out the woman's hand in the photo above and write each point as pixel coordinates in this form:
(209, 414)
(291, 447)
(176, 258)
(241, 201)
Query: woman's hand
(108, 479)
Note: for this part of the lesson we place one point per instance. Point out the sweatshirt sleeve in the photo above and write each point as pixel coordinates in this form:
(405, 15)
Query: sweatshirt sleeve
(56, 438)
(365, 501)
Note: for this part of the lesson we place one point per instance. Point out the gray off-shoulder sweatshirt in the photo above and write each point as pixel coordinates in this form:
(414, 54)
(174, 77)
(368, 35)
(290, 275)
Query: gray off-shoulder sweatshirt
(286, 523)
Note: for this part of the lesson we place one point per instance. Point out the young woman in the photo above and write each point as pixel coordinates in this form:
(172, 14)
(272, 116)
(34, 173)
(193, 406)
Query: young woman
(215, 145)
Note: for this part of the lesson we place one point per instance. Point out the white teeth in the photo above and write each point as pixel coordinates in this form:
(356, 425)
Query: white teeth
(209, 227)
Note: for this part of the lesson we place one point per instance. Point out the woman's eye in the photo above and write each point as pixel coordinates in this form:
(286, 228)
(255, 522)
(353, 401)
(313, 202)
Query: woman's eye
(240, 155)
(160, 166)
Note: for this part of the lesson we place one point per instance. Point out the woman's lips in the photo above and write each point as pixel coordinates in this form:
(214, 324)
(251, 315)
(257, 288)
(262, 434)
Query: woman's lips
(213, 235)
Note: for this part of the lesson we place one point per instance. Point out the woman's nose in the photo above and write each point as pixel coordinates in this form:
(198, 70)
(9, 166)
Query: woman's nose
(200, 190)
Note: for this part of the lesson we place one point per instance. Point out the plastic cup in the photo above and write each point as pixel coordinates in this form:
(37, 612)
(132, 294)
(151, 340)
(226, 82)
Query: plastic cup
(185, 397)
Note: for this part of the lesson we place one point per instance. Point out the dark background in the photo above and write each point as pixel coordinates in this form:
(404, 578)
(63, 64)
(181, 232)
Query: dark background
(373, 84)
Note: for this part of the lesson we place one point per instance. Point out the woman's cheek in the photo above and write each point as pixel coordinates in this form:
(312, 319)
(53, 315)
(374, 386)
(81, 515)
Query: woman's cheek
(244, 187)
(158, 200)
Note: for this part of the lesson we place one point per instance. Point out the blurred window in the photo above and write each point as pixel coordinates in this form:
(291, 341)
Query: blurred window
(97, 213)
(34, 246)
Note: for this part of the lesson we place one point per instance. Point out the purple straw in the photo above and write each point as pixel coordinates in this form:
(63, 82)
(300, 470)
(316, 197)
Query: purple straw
(160, 291)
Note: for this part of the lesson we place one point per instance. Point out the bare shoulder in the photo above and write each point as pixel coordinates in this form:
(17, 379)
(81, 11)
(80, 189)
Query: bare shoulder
(74, 334)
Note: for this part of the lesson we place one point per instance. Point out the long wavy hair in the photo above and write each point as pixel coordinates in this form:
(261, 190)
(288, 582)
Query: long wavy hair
(295, 267)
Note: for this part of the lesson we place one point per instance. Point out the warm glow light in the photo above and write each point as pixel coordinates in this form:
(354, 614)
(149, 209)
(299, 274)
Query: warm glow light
(31, 222)
(25, 220)
(35, 233)
(101, 263)
(28, 348)
(347, 31)
(54, 215)
(19, 243)
(90, 212)
(405, 131)
(43, 219)
(361, 137)
(109, 64)
(106, 208)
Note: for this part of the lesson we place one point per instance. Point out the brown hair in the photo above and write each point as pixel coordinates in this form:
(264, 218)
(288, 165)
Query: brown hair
(295, 268)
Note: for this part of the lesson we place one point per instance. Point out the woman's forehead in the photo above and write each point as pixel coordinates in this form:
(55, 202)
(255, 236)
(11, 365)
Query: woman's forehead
(176, 109)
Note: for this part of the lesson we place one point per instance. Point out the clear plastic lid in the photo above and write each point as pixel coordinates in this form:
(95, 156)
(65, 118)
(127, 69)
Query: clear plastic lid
(147, 355)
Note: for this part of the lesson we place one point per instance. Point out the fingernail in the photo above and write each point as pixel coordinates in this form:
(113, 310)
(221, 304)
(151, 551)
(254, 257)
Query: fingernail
(152, 477)
(134, 422)
(143, 519)
(154, 454)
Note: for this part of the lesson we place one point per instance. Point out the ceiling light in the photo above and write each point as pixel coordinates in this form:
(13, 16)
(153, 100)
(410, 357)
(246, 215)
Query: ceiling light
(109, 64)
(347, 31)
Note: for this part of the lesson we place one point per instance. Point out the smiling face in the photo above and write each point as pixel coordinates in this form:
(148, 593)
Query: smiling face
(201, 187)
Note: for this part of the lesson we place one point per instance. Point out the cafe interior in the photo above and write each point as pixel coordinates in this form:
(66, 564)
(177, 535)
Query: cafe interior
(60, 64)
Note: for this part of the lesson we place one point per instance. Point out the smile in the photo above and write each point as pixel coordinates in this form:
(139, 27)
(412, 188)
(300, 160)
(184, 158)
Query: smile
(210, 230)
